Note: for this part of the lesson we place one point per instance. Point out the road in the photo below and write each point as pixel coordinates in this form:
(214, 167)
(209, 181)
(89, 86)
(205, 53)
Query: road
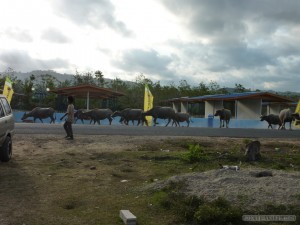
(81, 129)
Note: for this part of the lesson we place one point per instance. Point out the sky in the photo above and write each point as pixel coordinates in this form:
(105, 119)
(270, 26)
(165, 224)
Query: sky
(253, 43)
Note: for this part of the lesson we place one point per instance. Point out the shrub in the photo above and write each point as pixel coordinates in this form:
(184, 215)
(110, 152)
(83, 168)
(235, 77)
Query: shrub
(196, 154)
(218, 212)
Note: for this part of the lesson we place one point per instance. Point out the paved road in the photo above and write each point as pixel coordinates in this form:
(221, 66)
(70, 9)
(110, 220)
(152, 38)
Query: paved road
(38, 128)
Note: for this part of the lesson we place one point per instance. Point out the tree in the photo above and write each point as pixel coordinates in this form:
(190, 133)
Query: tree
(239, 88)
(99, 78)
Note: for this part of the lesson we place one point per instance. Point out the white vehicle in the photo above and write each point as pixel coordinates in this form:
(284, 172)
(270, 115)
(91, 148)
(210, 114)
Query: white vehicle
(7, 126)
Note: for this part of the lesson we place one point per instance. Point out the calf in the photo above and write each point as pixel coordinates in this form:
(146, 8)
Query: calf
(225, 115)
(271, 119)
(182, 117)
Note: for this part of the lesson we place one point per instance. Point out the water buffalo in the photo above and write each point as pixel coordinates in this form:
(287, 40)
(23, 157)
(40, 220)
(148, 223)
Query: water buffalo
(286, 116)
(40, 113)
(99, 114)
(130, 115)
(78, 115)
(271, 119)
(182, 117)
(225, 115)
(161, 113)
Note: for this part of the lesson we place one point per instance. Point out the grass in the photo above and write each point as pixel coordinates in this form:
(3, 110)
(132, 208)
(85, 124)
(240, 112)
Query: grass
(88, 187)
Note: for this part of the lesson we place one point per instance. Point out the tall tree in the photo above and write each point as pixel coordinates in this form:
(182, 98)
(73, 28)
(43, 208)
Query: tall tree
(99, 78)
(239, 88)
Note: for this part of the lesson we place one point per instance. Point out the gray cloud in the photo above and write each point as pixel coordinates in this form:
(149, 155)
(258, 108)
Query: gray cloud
(21, 61)
(17, 34)
(54, 35)
(257, 38)
(147, 62)
(91, 12)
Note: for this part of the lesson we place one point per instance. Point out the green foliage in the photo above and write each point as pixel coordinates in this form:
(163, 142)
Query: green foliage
(218, 212)
(196, 154)
(195, 210)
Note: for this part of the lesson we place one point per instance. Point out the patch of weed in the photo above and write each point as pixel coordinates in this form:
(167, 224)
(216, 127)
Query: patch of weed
(195, 210)
(196, 154)
(219, 211)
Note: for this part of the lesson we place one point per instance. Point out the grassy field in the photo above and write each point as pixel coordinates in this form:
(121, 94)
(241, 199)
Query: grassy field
(83, 183)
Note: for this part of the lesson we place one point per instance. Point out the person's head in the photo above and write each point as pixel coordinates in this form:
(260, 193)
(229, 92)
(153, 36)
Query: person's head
(70, 99)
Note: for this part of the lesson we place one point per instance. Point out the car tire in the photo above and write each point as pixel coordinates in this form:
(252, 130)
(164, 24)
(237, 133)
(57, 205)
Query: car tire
(6, 150)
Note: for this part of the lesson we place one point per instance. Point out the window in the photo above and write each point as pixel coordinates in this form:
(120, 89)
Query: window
(1, 111)
(6, 106)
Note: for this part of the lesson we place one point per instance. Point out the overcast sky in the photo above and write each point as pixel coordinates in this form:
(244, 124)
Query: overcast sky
(250, 42)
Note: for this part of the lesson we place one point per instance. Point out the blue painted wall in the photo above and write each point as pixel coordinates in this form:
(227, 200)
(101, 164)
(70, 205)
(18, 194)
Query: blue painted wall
(197, 122)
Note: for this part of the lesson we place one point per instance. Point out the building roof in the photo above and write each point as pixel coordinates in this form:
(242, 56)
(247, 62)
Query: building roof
(92, 91)
(265, 96)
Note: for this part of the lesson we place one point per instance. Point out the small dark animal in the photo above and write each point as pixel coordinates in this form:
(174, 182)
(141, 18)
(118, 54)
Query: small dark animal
(263, 174)
(99, 114)
(130, 115)
(271, 119)
(225, 115)
(252, 151)
(161, 113)
(40, 113)
(182, 117)
(78, 115)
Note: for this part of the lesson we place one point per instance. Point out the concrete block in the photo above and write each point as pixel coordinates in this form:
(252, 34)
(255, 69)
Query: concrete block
(127, 217)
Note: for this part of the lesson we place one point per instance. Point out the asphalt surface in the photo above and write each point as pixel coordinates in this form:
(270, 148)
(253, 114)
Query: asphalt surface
(82, 129)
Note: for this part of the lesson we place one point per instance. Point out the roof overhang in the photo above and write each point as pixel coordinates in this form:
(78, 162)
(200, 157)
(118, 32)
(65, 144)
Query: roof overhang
(264, 96)
(94, 92)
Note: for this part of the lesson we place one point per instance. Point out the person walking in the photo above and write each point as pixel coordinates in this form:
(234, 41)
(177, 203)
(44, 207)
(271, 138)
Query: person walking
(70, 118)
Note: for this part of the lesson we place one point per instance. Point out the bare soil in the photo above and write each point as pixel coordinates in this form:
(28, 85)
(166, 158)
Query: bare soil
(46, 166)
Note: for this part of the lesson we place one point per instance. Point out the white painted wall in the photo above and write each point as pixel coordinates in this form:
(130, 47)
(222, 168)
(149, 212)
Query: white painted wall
(248, 109)
(273, 109)
(212, 106)
(184, 107)
(175, 106)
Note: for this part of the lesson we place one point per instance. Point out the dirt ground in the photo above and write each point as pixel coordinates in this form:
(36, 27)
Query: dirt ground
(283, 187)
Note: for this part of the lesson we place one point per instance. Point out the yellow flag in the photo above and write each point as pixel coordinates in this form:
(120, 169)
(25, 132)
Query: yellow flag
(8, 90)
(297, 122)
(148, 103)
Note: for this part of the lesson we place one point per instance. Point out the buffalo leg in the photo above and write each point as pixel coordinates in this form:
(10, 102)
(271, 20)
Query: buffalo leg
(169, 120)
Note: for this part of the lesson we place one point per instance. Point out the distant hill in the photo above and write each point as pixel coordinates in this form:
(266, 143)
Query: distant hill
(37, 73)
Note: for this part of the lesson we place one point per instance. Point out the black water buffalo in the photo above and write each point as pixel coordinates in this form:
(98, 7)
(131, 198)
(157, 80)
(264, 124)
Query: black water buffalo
(225, 115)
(40, 113)
(182, 117)
(78, 115)
(130, 115)
(271, 119)
(99, 114)
(161, 113)
(286, 116)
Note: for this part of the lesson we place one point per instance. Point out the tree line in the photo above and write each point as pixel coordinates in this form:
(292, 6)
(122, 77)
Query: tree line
(34, 91)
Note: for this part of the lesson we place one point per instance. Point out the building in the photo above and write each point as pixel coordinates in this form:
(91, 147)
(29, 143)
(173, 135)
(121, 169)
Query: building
(246, 105)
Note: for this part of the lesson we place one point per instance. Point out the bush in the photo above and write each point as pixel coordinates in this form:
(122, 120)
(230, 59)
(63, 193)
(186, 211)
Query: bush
(196, 154)
(218, 212)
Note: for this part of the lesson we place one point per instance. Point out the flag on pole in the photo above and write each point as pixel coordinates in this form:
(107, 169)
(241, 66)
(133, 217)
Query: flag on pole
(297, 122)
(148, 103)
(8, 90)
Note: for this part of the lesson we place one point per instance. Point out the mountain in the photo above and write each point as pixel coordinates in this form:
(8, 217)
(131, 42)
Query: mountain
(37, 73)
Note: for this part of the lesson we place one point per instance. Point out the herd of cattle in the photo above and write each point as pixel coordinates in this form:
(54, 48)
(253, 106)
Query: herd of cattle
(157, 112)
